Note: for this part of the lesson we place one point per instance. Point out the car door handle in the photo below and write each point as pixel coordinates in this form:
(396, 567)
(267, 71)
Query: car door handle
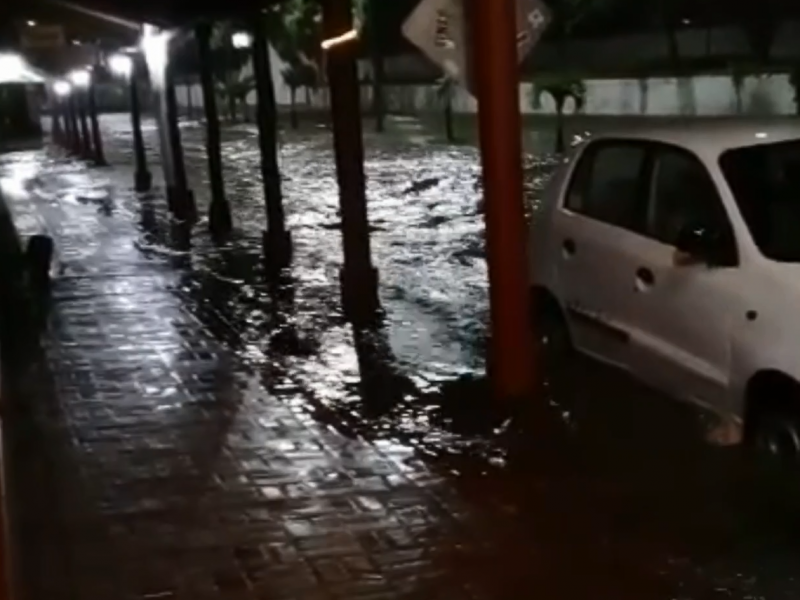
(569, 246)
(645, 277)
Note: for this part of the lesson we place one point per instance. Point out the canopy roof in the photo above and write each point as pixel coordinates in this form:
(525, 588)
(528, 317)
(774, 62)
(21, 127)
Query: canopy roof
(15, 69)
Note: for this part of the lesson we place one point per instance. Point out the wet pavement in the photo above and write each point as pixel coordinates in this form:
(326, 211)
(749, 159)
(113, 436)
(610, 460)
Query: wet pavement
(188, 430)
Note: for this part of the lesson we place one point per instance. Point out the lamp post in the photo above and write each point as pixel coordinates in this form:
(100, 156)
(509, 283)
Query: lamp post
(80, 79)
(125, 67)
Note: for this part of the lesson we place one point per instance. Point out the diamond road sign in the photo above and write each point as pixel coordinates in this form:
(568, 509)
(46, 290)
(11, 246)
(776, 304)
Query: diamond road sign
(439, 29)
(533, 17)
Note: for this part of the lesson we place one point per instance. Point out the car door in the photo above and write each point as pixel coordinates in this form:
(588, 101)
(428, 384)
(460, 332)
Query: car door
(595, 227)
(680, 316)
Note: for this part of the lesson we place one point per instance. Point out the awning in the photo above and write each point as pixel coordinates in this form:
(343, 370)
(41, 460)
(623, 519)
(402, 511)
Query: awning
(15, 69)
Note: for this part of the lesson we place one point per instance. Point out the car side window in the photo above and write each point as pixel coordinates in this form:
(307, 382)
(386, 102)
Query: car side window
(607, 185)
(683, 195)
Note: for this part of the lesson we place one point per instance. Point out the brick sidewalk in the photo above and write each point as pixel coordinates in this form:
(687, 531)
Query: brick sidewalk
(153, 456)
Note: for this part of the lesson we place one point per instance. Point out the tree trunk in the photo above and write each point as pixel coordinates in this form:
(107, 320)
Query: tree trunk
(232, 108)
(378, 64)
(561, 145)
(673, 46)
(308, 96)
(378, 100)
(293, 107)
(448, 121)
(189, 102)
(794, 79)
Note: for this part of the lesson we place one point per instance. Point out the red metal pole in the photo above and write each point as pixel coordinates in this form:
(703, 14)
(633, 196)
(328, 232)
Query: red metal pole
(512, 365)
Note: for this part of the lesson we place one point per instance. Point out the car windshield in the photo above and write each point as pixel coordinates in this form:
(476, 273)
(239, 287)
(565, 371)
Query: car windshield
(765, 181)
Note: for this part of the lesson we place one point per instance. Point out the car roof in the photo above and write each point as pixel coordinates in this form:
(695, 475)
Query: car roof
(707, 135)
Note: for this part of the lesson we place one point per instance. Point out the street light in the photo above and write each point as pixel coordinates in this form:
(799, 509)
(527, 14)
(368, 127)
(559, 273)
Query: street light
(241, 40)
(348, 36)
(80, 78)
(12, 67)
(155, 46)
(62, 88)
(121, 65)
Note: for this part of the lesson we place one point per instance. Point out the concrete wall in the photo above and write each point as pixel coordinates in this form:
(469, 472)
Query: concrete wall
(699, 95)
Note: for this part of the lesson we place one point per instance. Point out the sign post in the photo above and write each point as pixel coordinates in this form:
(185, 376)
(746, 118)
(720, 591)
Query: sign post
(502, 33)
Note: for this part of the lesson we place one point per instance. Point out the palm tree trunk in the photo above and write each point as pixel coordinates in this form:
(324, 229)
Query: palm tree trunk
(293, 107)
(448, 121)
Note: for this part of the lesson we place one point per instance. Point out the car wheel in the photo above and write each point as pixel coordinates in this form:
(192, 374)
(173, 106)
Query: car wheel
(777, 436)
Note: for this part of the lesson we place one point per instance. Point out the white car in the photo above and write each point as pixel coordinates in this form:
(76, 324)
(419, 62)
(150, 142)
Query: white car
(674, 253)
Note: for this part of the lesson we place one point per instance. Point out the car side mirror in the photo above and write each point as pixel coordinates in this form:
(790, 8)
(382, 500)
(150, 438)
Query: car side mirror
(698, 244)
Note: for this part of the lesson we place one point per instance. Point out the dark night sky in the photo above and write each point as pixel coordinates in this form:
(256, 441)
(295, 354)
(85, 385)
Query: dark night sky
(612, 17)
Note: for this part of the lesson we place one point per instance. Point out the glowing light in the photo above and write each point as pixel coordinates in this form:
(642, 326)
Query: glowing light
(761, 135)
(31, 23)
(241, 39)
(155, 45)
(121, 65)
(80, 78)
(11, 66)
(341, 39)
(14, 69)
(62, 88)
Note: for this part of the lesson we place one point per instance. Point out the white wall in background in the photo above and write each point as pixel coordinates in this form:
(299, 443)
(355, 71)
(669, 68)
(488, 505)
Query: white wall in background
(699, 95)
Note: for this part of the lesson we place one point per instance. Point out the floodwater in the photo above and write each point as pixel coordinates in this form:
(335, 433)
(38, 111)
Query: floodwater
(603, 490)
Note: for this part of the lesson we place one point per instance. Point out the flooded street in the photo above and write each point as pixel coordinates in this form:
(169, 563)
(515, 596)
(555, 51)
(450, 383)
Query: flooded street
(189, 430)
